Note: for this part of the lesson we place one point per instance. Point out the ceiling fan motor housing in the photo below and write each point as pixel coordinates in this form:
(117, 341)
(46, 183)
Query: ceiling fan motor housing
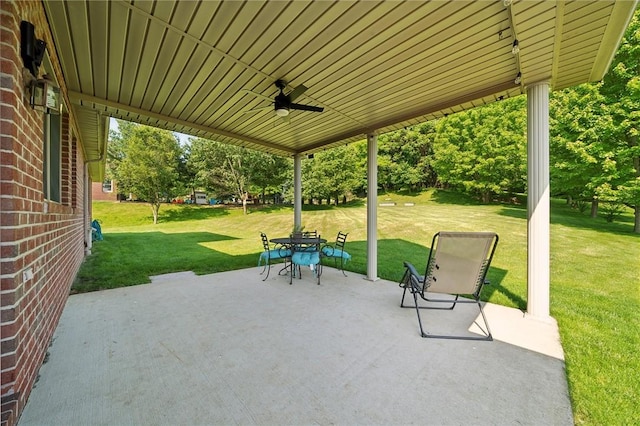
(282, 101)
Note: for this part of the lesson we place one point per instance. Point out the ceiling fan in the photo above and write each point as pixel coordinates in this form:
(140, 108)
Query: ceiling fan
(283, 104)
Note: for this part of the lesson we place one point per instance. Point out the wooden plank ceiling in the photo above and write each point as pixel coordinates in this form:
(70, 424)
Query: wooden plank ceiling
(195, 66)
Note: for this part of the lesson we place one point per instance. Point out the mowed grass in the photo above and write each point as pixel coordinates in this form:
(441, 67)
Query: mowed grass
(595, 269)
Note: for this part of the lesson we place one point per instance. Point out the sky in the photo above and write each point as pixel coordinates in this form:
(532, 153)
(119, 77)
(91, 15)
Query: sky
(184, 139)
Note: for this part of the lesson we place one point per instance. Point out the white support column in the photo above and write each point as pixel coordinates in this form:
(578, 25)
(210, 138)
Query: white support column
(538, 234)
(372, 207)
(297, 190)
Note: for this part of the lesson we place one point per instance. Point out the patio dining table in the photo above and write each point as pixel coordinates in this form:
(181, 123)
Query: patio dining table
(294, 244)
(290, 242)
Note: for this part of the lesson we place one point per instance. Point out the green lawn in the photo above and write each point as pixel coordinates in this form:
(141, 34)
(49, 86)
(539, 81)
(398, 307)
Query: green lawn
(595, 269)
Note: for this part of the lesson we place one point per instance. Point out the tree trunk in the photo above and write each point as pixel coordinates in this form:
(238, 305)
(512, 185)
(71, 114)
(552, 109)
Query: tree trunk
(594, 208)
(155, 208)
(636, 224)
(244, 202)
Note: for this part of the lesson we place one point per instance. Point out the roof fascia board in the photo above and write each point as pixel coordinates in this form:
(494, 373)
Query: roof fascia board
(80, 97)
(620, 17)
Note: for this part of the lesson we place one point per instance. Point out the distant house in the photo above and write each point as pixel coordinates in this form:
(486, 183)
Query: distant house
(200, 197)
(106, 190)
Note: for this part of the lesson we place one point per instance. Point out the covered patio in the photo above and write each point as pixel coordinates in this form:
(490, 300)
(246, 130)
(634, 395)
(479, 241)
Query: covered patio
(219, 70)
(228, 348)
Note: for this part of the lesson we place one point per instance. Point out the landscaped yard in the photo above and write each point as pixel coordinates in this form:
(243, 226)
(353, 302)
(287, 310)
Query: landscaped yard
(595, 269)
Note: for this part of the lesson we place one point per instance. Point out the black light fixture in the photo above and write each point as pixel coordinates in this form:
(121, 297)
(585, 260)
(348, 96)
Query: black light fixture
(31, 49)
(43, 93)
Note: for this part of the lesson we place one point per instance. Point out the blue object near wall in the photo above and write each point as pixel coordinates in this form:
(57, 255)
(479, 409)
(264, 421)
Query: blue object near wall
(96, 231)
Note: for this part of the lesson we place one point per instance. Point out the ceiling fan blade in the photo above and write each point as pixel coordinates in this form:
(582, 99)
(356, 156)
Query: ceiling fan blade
(295, 93)
(257, 95)
(306, 107)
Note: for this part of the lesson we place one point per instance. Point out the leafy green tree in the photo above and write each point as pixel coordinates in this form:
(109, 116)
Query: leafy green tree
(116, 148)
(270, 172)
(483, 151)
(331, 174)
(405, 156)
(149, 165)
(580, 146)
(621, 89)
(232, 170)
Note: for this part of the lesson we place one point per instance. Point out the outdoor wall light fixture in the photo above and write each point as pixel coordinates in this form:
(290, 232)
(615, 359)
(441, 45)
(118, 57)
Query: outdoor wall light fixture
(31, 49)
(516, 47)
(282, 112)
(43, 93)
(518, 79)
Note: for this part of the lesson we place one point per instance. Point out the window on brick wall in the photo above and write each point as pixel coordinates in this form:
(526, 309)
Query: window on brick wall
(107, 185)
(52, 173)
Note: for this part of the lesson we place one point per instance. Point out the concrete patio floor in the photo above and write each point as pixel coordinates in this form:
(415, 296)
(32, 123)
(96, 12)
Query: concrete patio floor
(228, 348)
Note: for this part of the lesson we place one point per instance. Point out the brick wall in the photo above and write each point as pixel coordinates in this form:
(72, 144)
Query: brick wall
(42, 243)
(97, 194)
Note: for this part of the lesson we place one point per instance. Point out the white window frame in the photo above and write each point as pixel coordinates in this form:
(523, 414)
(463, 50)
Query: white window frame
(107, 185)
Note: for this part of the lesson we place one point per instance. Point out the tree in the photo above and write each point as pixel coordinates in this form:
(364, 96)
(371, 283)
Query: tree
(149, 163)
(270, 173)
(116, 148)
(621, 89)
(233, 170)
(483, 151)
(330, 174)
(581, 148)
(405, 156)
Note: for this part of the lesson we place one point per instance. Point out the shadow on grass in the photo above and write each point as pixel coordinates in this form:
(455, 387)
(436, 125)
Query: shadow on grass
(392, 253)
(565, 216)
(448, 197)
(125, 259)
(275, 208)
(191, 212)
(317, 207)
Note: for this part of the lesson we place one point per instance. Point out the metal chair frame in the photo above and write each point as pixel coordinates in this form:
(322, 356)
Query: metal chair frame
(341, 240)
(419, 285)
(283, 253)
(306, 250)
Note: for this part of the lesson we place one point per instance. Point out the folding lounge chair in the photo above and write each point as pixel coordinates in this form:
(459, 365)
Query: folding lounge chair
(336, 251)
(269, 254)
(457, 265)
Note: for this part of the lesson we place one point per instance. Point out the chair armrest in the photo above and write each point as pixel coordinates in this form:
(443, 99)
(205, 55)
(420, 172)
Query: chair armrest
(417, 280)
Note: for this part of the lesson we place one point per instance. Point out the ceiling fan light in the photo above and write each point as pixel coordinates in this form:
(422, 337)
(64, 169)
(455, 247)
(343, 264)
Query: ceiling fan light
(515, 49)
(282, 112)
